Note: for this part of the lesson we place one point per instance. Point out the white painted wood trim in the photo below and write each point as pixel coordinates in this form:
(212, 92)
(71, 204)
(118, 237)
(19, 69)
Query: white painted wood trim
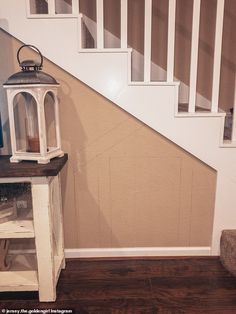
(21, 251)
(124, 24)
(80, 35)
(46, 198)
(100, 24)
(55, 16)
(233, 137)
(129, 67)
(15, 180)
(10, 99)
(228, 144)
(59, 265)
(27, 7)
(41, 125)
(43, 239)
(126, 252)
(55, 187)
(217, 55)
(22, 274)
(194, 55)
(75, 7)
(18, 281)
(105, 50)
(147, 40)
(171, 41)
(51, 7)
(138, 252)
(199, 114)
(17, 229)
(154, 83)
(57, 119)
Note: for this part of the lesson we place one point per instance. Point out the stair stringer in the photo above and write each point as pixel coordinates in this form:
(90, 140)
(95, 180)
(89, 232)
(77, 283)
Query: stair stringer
(155, 105)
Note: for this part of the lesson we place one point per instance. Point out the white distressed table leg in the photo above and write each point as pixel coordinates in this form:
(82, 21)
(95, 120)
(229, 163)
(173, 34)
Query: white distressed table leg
(57, 212)
(43, 238)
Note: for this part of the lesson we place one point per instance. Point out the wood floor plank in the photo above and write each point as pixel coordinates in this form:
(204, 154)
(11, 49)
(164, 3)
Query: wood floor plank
(154, 285)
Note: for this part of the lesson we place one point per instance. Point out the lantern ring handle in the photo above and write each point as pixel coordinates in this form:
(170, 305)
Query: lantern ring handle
(35, 49)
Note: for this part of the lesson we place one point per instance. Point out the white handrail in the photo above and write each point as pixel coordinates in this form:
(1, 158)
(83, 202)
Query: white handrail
(147, 40)
(171, 41)
(81, 41)
(100, 24)
(194, 55)
(123, 23)
(217, 55)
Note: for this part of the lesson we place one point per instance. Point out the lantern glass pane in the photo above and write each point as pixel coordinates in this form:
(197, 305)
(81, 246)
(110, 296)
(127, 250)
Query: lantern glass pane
(38, 7)
(26, 123)
(50, 119)
(63, 6)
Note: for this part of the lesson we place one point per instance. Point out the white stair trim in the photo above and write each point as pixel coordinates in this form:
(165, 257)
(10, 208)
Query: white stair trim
(137, 252)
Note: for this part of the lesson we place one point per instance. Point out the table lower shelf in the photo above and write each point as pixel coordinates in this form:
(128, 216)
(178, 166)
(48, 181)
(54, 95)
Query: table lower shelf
(23, 275)
(17, 229)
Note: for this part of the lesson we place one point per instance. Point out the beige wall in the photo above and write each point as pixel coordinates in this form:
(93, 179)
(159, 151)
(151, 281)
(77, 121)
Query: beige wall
(124, 185)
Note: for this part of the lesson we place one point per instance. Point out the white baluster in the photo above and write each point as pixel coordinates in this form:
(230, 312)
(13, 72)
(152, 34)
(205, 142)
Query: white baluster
(147, 40)
(123, 23)
(233, 137)
(75, 7)
(171, 41)
(217, 55)
(81, 41)
(28, 10)
(194, 55)
(100, 24)
(51, 7)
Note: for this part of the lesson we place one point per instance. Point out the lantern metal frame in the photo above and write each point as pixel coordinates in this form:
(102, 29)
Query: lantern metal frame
(31, 80)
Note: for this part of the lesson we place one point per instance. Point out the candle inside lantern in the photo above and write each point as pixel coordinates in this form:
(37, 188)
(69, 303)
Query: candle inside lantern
(32, 124)
(29, 122)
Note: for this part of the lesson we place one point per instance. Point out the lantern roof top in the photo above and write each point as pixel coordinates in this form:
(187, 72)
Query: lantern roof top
(30, 73)
(31, 78)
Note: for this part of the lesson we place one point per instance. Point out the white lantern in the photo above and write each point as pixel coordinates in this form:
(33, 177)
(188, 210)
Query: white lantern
(33, 112)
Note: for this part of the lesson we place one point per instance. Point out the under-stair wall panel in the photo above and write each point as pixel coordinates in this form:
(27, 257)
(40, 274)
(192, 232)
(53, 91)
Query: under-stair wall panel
(155, 104)
(125, 185)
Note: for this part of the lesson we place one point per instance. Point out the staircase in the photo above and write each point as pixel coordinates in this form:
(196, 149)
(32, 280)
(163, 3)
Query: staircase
(75, 42)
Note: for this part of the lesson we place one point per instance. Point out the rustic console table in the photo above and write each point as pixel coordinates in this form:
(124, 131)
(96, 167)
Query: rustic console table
(40, 269)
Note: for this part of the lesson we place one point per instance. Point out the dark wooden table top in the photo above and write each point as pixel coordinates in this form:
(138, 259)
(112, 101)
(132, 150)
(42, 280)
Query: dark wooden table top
(31, 168)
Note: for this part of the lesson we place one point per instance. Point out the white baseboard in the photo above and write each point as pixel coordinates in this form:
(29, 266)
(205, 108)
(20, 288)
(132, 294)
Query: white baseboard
(129, 252)
(138, 252)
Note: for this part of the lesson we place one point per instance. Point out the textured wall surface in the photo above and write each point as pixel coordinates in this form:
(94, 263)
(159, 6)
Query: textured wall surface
(124, 185)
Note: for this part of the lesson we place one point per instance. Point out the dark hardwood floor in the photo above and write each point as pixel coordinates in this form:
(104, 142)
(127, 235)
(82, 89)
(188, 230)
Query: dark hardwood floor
(154, 285)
